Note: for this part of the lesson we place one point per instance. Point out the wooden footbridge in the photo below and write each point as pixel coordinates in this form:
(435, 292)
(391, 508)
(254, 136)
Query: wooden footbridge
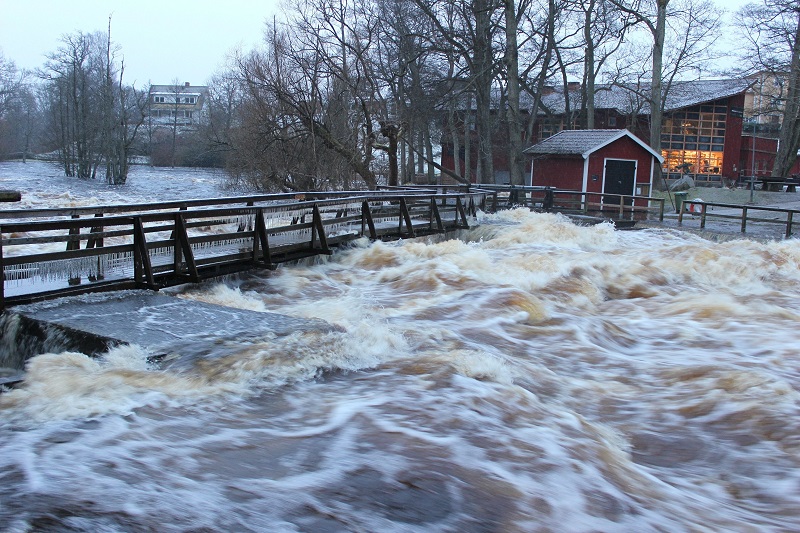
(47, 253)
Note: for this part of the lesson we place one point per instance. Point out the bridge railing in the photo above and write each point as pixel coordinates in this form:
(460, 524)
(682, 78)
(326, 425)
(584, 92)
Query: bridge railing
(54, 252)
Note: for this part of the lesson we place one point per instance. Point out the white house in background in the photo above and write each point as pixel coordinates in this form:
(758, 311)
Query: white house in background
(184, 106)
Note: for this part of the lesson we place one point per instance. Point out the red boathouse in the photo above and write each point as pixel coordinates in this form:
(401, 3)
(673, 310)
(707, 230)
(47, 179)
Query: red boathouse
(599, 161)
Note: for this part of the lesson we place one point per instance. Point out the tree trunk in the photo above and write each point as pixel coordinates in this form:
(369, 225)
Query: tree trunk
(656, 113)
(589, 68)
(482, 74)
(789, 139)
(516, 161)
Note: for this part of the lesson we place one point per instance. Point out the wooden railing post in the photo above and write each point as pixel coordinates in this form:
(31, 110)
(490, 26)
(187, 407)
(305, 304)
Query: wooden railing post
(182, 244)
(461, 214)
(789, 217)
(661, 210)
(744, 218)
(405, 216)
(142, 268)
(74, 244)
(261, 238)
(366, 218)
(435, 216)
(703, 209)
(318, 227)
(2, 275)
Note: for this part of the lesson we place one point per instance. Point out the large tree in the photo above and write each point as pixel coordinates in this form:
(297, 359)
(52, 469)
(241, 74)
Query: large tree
(772, 29)
(93, 117)
(681, 34)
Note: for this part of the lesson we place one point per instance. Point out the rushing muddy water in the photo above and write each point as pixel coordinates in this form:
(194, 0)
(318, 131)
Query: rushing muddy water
(529, 375)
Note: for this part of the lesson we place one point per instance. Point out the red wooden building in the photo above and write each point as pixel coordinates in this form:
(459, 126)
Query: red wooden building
(600, 161)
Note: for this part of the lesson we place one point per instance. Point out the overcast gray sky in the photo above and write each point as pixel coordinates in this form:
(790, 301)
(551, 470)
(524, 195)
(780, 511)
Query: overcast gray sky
(161, 40)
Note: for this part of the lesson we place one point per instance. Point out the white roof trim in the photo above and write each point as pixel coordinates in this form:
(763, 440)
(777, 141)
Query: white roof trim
(623, 133)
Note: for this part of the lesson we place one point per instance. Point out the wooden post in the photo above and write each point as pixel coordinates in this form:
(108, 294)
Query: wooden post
(142, 267)
(435, 216)
(96, 242)
(2, 275)
(661, 211)
(318, 227)
(789, 216)
(74, 244)
(182, 244)
(405, 216)
(460, 213)
(260, 237)
(744, 218)
(703, 209)
(366, 217)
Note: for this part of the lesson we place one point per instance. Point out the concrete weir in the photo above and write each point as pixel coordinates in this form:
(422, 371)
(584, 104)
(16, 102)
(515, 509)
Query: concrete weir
(172, 330)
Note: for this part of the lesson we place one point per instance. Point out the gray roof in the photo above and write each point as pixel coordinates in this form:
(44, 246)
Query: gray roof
(583, 142)
(632, 99)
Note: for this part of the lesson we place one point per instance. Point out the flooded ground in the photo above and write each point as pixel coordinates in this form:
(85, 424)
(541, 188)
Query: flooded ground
(529, 375)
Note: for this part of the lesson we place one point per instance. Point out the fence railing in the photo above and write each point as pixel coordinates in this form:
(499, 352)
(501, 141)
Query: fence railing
(55, 252)
(614, 206)
(746, 214)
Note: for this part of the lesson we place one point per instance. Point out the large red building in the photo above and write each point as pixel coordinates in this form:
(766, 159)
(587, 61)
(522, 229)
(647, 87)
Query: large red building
(701, 132)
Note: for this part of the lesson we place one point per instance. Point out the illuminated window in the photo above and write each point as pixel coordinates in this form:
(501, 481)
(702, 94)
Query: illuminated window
(693, 140)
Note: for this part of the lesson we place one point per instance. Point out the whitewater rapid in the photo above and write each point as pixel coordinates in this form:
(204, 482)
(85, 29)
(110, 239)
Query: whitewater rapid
(526, 375)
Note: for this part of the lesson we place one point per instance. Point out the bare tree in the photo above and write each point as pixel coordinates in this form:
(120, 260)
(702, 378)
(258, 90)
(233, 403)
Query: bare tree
(686, 32)
(93, 117)
(772, 29)
(604, 31)
(11, 83)
(315, 84)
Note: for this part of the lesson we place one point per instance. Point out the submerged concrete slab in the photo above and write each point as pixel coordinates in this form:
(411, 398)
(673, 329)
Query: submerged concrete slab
(167, 327)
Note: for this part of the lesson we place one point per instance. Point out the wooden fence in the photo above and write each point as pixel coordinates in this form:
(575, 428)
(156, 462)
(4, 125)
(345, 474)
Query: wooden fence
(746, 214)
(611, 206)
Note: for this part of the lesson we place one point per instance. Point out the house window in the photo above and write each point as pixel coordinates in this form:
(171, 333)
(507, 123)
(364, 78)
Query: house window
(549, 127)
(187, 114)
(612, 122)
(159, 99)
